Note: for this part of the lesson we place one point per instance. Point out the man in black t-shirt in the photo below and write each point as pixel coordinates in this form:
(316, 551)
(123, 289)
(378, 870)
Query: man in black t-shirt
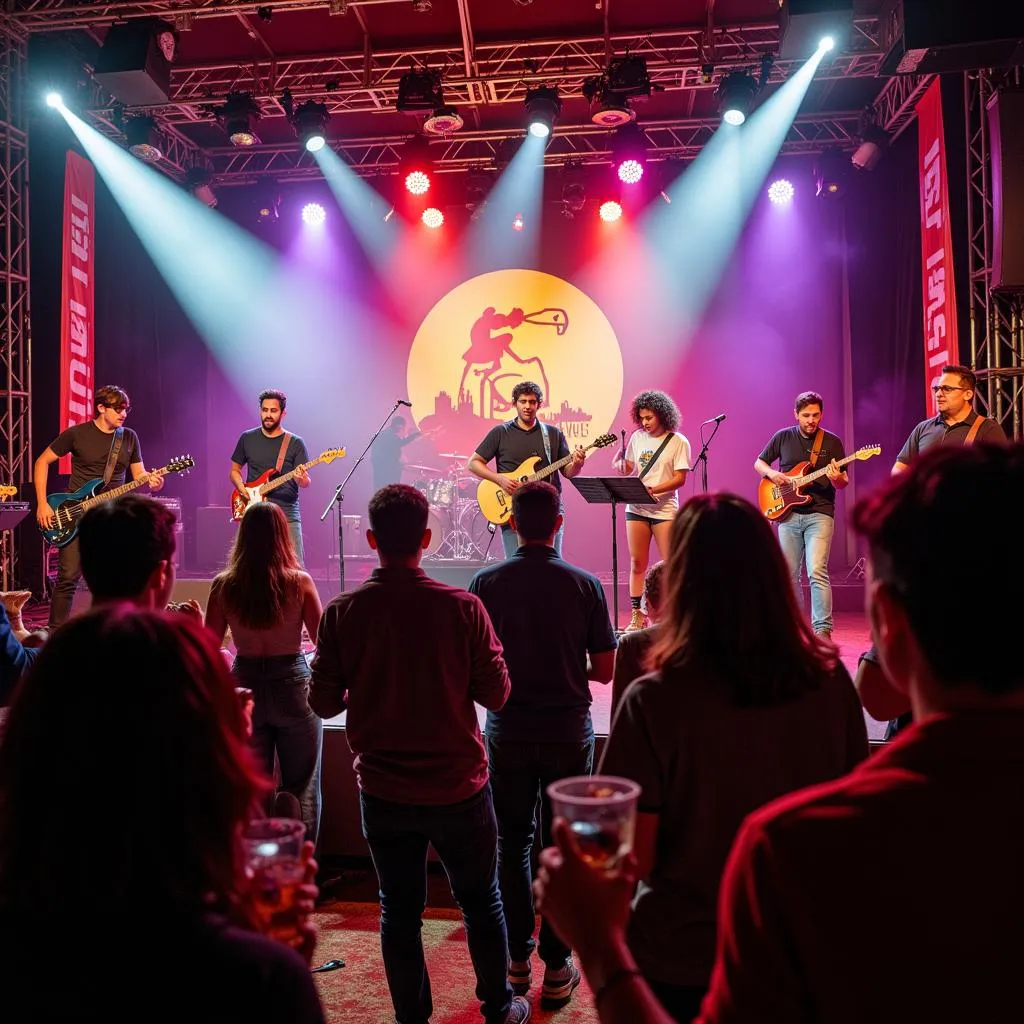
(510, 444)
(805, 534)
(260, 449)
(89, 445)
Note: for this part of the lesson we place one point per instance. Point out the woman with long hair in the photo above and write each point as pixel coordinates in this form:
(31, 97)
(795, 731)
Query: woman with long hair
(267, 599)
(745, 704)
(660, 455)
(125, 781)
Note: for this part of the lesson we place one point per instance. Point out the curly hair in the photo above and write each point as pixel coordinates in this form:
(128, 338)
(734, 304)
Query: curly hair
(660, 404)
(272, 394)
(527, 387)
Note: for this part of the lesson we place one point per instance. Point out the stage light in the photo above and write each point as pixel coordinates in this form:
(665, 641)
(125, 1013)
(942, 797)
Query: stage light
(444, 120)
(542, 109)
(874, 141)
(432, 217)
(236, 118)
(629, 151)
(419, 89)
(310, 121)
(517, 222)
(736, 94)
(608, 108)
(313, 214)
(53, 99)
(630, 171)
(144, 139)
(781, 191)
(610, 210)
(267, 200)
(826, 43)
(478, 185)
(199, 181)
(417, 182)
(831, 169)
(415, 165)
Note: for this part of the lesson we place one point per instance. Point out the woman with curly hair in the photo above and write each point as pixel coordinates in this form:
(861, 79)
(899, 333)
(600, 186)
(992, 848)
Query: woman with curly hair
(661, 458)
(266, 599)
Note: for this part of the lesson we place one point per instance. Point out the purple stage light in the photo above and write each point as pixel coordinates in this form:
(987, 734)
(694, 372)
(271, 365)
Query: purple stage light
(313, 213)
(781, 191)
(630, 171)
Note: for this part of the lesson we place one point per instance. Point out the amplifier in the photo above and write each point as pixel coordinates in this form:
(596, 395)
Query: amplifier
(173, 505)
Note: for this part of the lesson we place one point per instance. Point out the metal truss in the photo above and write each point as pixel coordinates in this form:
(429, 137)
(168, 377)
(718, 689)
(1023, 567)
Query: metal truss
(15, 335)
(996, 318)
(584, 145)
(896, 104)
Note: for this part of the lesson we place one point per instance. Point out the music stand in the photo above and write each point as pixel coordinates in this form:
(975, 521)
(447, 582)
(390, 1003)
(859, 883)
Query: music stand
(604, 490)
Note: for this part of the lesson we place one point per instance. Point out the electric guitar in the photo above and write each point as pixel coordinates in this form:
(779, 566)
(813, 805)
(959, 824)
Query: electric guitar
(69, 508)
(7, 491)
(256, 490)
(778, 500)
(496, 505)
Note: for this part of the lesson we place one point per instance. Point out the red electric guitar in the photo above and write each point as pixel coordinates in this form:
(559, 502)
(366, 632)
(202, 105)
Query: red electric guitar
(778, 501)
(256, 490)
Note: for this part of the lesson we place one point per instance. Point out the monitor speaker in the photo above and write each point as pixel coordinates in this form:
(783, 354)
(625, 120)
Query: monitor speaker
(134, 63)
(1006, 146)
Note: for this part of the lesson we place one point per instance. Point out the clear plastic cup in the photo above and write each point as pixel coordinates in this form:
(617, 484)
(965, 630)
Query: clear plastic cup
(275, 869)
(601, 812)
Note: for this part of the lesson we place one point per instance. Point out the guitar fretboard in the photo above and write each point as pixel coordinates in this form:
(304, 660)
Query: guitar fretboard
(88, 503)
(818, 473)
(284, 478)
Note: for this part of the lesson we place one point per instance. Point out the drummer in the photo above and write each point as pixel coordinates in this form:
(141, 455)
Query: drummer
(386, 453)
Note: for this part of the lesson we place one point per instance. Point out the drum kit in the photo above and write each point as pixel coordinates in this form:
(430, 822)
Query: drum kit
(458, 527)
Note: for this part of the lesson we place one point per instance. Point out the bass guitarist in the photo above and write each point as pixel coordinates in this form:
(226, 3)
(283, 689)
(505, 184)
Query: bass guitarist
(805, 535)
(510, 444)
(102, 447)
(269, 446)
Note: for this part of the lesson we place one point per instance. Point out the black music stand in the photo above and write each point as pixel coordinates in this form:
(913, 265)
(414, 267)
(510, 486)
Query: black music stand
(605, 490)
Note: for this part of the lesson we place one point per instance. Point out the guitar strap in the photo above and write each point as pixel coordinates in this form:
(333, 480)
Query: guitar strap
(547, 442)
(816, 448)
(973, 432)
(115, 450)
(282, 452)
(654, 457)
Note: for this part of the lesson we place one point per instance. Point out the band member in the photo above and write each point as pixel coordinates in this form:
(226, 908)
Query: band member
(386, 453)
(661, 457)
(89, 445)
(510, 444)
(269, 446)
(806, 533)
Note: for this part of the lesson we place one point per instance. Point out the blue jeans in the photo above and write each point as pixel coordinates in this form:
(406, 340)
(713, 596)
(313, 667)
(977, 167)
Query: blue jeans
(510, 540)
(295, 530)
(807, 538)
(520, 775)
(284, 724)
(465, 837)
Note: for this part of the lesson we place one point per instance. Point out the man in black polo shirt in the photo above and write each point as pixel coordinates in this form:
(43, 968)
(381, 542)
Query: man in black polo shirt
(549, 616)
(956, 422)
(513, 443)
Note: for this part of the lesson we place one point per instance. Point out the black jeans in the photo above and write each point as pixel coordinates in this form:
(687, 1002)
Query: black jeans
(520, 775)
(69, 572)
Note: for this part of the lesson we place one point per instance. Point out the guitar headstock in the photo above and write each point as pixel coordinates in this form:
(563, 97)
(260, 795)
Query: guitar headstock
(7, 491)
(867, 451)
(331, 454)
(181, 464)
(603, 441)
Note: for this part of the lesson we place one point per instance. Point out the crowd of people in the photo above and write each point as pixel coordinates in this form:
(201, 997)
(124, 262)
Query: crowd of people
(778, 872)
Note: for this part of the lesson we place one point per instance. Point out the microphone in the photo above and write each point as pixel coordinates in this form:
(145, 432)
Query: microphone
(402, 401)
(623, 455)
(716, 419)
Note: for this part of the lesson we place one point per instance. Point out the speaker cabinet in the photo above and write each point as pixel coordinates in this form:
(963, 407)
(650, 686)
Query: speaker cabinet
(134, 63)
(1006, 146)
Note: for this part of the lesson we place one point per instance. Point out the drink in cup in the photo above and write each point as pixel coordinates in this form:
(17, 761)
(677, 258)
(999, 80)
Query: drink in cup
(601, 811)
(275, 869)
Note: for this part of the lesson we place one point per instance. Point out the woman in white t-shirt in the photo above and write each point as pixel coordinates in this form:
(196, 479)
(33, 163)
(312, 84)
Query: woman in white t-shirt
(655, 442)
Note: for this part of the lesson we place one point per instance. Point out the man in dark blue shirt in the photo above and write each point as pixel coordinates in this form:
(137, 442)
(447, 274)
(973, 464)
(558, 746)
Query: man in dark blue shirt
(549, 616)
(269, 446)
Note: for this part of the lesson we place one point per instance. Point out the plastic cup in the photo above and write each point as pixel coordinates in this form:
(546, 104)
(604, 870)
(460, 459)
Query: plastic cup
(275, 869)
(601, 812)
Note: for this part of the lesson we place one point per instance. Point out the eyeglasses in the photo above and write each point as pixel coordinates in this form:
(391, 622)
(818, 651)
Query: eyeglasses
(945, 389)
(120, 407)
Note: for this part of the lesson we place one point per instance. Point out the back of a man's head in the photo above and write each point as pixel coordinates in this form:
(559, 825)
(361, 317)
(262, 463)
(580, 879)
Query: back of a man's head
(398, 518)
(535, 508)
(122, 543)
(938, 536)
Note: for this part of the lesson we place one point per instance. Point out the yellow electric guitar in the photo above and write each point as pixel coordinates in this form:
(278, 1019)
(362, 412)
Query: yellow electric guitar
(496, 505)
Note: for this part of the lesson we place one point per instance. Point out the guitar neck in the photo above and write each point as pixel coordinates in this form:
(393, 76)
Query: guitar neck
(809, 477)
(118, 491)
(284, 478)
(555, 466)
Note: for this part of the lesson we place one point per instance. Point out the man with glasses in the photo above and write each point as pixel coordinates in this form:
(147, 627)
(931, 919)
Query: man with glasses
(956, 423)
(89, 445)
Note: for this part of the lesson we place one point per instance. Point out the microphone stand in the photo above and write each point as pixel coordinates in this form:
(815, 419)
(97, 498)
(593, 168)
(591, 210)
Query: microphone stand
(702, 458)
(339, 496)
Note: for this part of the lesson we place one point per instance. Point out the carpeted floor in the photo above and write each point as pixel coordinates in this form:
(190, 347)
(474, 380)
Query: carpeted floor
(358, 992)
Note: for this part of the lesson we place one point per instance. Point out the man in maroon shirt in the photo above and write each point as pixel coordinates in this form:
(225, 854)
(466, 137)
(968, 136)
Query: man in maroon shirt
(408, 656)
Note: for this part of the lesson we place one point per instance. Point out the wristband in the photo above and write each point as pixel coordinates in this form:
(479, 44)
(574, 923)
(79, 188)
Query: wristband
(612, 980)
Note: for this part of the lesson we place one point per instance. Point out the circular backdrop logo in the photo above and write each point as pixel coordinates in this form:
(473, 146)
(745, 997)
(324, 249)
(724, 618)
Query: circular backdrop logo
(493, 331)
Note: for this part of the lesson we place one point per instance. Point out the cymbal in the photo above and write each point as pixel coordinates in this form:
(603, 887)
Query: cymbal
(453, 455)
(424, 469)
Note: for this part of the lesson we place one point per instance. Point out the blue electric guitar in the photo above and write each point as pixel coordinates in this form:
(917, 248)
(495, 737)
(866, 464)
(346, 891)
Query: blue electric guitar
(69, 508)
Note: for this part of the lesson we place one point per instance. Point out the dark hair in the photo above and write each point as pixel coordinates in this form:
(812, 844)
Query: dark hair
(525, 387)
(750, 638)
(397, 423)
(398, 517)
(912, 526)
(806, 398)
(653, 581)
(260, 580)
(111, 396)
(281, 397)
(535, 508)
(121, 542)
(660, 404)
(144, 698)
(966, 374)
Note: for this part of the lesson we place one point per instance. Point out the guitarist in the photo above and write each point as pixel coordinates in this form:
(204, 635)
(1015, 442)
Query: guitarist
(102, 447)
(268, 446)
(510, 444)
(806, 533)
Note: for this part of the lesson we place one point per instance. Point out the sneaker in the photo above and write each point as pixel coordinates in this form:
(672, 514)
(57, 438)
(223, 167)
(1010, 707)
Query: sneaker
(559, 985)
(520, 975)
(518, 1011)
(636, 621)
(825, 634)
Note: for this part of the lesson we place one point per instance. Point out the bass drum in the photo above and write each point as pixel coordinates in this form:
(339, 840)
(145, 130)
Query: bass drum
(436, 528)
(479, 541)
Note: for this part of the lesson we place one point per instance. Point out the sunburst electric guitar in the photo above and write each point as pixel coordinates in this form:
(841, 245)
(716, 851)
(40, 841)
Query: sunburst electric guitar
(496, 505)
(256, 490)
(778, 500)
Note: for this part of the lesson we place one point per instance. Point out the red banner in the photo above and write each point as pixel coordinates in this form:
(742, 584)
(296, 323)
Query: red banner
(76, 308)
(940, 333)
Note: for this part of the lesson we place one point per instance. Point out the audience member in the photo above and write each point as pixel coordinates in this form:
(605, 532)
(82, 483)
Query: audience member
(634, 645)
(97, 895)
(266, 598)
(15, 658)
(549, 616)
(408, 656)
